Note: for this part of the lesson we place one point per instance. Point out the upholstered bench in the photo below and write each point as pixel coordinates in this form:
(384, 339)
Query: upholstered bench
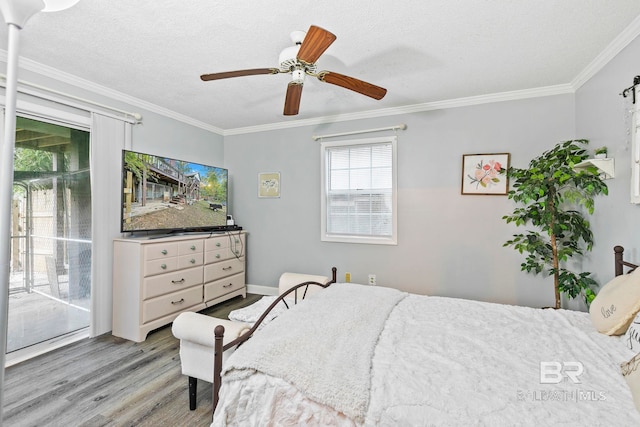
(195, 332)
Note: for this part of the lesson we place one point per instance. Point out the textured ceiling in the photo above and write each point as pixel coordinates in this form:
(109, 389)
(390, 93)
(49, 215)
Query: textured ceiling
(421, 51)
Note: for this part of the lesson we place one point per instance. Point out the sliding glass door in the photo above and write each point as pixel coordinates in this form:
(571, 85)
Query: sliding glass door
(50, 282)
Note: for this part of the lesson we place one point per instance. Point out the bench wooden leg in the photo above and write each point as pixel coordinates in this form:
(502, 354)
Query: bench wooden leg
(193, 388)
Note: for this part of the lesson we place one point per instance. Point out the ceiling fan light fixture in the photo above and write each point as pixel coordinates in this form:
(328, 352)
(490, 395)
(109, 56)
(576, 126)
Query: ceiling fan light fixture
(297, 37)
(297, 76)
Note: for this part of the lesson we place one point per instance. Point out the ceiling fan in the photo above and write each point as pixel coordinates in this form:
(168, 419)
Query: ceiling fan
(300, 61)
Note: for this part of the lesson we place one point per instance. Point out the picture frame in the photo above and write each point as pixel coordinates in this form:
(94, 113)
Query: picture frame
(485, 174)
(269, 184)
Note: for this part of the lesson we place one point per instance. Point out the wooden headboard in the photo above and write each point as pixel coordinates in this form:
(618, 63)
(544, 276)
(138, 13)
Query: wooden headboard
(620, 263)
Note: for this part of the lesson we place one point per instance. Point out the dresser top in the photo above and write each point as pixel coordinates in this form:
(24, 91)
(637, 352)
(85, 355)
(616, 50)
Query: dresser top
(144, 240)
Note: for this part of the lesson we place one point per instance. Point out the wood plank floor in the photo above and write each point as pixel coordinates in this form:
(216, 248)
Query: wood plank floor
(109, 381)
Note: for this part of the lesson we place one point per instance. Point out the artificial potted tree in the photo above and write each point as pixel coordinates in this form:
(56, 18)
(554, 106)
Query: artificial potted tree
(552, 197)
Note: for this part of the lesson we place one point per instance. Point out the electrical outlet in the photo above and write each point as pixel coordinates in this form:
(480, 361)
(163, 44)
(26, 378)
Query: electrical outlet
(372, 280)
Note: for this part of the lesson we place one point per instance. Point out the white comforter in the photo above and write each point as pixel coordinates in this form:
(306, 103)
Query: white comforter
(442, 361)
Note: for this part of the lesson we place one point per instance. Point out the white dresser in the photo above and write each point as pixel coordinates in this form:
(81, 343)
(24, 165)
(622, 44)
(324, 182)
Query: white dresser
(154, 280)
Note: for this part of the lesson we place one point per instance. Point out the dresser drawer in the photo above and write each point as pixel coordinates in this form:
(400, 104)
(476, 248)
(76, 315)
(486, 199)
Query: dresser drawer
(171, 282)
(234, 242)
(223, 269)
(237, 250)
(216, 243)
(190, 247)
(219, 255)
(216, 255)
(224, 286)
(160, 250)
(186, 261)
(159, 266)
(164, 305)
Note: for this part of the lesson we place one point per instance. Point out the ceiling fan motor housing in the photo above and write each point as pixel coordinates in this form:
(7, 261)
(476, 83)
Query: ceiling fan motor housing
(288, 58)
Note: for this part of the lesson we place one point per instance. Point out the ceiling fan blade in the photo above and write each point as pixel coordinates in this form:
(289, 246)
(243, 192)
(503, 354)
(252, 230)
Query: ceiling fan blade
(356, 85)
(239, 73)
(292, 100)
(314, 44)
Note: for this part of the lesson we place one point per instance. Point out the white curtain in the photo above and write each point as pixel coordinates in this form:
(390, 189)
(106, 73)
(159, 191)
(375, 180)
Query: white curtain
(108, 137)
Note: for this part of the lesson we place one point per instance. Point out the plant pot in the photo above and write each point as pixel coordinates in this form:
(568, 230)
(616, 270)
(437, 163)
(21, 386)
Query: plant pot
(601, 156)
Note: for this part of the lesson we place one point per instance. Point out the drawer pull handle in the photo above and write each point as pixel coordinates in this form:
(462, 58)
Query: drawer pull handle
(164, 252)
(237, 241)
(193, 248)
(178, 302)
(218, 256)
(193, 261)
(163, 266)
(227, 268)
(218, 244)
(227, 286)
(178, 281)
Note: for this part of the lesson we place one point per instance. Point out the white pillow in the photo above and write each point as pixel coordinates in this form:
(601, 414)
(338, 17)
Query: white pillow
(632, 336)
(631, 373)
(616, 304)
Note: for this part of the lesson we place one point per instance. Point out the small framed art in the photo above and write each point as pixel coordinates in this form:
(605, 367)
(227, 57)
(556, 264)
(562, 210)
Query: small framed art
(485, 174)
(269, 184)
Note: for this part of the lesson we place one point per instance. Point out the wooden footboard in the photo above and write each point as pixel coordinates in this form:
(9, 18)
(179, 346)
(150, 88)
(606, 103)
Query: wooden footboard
(219, 348)
(620, 262)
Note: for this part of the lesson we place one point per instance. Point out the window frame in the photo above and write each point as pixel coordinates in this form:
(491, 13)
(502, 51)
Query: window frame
(352, 238)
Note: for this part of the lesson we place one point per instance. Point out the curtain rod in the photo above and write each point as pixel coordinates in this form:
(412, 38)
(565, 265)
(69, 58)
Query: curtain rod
(396, 127)
(136, 117)
(632, 89)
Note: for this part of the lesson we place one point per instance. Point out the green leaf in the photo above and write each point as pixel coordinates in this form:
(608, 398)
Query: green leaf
(552, 197)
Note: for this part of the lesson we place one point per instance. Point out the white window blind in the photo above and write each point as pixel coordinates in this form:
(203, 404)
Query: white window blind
(359, 191)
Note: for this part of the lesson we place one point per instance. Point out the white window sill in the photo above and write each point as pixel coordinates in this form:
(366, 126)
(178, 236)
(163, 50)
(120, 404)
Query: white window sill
(359, 239)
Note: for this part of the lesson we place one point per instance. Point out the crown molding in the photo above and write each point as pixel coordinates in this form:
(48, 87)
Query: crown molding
(615, 47)
(61, 76)
(409, 109)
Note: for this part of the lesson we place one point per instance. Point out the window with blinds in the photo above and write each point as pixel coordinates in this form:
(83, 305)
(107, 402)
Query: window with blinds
(359, 191)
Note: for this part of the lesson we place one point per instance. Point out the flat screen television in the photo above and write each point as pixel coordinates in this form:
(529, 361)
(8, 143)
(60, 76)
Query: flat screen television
(166, 195)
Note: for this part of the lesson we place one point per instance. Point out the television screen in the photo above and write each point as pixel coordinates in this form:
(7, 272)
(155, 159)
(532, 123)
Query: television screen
(169, 195)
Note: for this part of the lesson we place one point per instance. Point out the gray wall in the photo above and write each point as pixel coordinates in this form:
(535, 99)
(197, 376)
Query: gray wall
(602, 116)
(448, 244)
(172, 138)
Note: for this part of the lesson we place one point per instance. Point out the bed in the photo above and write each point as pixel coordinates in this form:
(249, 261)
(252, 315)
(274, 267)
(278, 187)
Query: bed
(355, 355)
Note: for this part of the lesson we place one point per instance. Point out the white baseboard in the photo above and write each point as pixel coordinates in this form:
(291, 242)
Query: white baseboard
(262, 290)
